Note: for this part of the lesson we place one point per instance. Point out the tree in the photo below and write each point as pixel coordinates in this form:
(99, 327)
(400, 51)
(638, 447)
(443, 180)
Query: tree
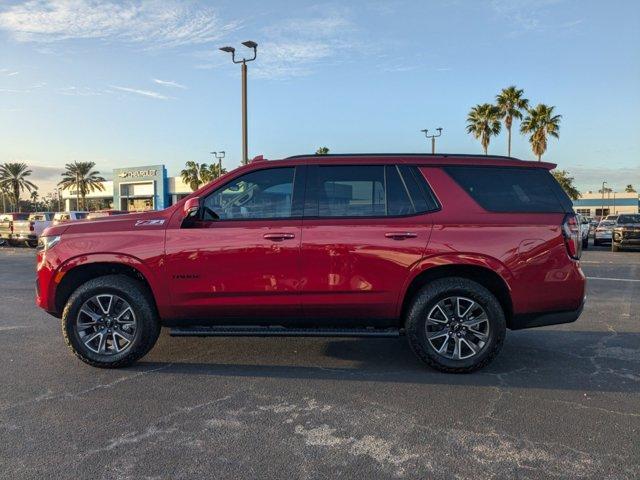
(214, 171)
(566, 182)
(4, 193)
(483, 122)
(13, 176)
(605, 190)
(322, 151)
(195, 174)
(629, 189)
(82, 176)
(540, 122)
(34, 199)
(511, 104)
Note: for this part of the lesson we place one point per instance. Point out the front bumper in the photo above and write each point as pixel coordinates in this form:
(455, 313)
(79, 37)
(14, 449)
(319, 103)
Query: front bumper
(542, 319)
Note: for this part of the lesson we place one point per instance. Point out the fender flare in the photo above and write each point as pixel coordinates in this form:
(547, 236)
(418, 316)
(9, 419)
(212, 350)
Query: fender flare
(455, 259)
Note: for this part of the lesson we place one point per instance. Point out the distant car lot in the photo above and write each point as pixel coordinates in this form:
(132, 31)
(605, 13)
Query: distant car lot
(559, 402)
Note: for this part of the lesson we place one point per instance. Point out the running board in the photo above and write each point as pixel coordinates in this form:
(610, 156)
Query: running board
(252, 331)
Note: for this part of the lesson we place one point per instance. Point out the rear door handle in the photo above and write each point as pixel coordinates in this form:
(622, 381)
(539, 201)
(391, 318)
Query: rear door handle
(400, 235)
(278, 237)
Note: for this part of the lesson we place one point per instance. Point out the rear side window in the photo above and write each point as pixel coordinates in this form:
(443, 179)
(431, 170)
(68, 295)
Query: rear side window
(512, 189)
(365, 191)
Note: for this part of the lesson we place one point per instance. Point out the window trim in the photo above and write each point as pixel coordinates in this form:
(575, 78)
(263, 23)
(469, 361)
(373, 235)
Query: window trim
(312, 201)
(297, 196)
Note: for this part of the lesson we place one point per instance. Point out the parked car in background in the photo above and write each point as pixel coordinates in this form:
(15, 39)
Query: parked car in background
(612, 218)
(6, 226)
(105, 213)
(626, 232)
(62, 217)
(603, 232)
(584, 230)
(450, 250)
(28, 231)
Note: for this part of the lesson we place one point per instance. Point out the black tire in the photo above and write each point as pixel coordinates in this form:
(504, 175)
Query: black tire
(140, 301)
(31, 243)
(596, 243)
(428, 297)
(585, 244)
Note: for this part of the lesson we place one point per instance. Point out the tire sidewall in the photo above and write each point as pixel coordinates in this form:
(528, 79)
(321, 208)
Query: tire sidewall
(438, 290)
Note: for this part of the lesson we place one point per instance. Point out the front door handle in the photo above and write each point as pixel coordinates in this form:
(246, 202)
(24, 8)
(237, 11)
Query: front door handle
(400, 235)
(278, 237)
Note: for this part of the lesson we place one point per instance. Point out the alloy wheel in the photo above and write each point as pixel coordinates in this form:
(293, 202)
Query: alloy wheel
(457, 328)
(106, 324)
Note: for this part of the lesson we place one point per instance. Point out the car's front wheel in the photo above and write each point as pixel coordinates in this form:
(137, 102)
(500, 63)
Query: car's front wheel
(110, 322)
(455, 325)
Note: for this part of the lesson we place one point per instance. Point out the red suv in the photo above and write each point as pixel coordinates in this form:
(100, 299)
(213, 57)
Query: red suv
(449, 250)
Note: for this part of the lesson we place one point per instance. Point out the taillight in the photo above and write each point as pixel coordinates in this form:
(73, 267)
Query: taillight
(572, 237)
(11, 227)
(32, 227)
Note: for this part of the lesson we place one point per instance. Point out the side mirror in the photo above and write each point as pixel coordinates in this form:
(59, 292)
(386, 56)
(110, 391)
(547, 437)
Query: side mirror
(191, 207)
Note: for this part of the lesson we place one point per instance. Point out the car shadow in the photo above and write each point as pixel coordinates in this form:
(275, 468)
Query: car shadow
(545, 359)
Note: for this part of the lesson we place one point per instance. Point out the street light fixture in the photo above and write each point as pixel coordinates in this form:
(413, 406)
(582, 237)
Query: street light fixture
(254, 46)
(602, 210)
(219, 156)
(433, 138)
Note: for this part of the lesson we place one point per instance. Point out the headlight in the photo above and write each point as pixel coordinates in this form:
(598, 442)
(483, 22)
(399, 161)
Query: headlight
(47, 243)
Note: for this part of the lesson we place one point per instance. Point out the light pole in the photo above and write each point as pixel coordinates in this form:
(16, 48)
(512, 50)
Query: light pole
(219, 156)
(253, 45)
(602, 210)
(433, 138)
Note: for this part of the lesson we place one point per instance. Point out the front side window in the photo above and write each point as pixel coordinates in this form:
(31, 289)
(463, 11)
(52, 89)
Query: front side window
(262, 194)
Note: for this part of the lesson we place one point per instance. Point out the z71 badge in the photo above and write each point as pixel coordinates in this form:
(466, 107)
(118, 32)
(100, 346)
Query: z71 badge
(145, 223)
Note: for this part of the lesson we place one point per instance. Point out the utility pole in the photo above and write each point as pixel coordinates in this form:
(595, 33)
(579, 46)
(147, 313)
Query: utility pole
(219, 156)
(433, 138)
(77, 191)
(602, 210)
(253, 45)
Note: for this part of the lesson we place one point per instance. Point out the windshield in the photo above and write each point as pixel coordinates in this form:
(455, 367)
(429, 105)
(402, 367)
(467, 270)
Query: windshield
(607, 223)
(624, 219)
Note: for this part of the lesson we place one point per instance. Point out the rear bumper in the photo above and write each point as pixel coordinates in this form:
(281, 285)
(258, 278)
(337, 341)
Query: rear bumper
(24, 236)
(542, 319)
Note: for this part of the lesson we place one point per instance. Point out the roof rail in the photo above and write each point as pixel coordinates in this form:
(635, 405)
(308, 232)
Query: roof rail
(504, 157)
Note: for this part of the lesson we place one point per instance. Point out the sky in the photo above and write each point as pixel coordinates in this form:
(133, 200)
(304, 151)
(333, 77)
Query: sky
(142, 82)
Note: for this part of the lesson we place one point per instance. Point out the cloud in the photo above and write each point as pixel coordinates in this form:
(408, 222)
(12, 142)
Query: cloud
(590, 178)
(29, 89)
(297, 46)
(169, 83)
(79, 91)
(155, 23)
(526, 16)
(144, 93)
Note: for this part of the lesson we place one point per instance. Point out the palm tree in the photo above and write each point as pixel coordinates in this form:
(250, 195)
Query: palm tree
(34, 198)
(483, 122)
(13, 176)
(4, 193)
(196, 174)
(215, 170)
(539, 123)
(81, 176)
(511, 103)
(322, 151)
(630, 189)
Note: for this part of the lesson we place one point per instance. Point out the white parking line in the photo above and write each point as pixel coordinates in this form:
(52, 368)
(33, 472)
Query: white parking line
(614, 279)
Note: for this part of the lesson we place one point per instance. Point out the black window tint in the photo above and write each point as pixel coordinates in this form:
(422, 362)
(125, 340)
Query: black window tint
(351, 191)
(419, 190)
(260, 194)
(511, 189)
(398, 200)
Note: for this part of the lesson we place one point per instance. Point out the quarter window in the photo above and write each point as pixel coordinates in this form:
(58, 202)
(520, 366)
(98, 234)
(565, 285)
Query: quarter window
(262, 194)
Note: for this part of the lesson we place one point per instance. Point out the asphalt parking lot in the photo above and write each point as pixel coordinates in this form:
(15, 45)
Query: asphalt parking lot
(558, 402)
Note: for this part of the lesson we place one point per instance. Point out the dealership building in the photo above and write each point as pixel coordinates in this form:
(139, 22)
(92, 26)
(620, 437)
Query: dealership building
(594, 204)
(134, 189)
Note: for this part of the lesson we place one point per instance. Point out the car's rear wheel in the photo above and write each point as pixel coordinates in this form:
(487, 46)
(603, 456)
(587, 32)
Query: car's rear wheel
(585, 243)
(110, 322)
(455, 325)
